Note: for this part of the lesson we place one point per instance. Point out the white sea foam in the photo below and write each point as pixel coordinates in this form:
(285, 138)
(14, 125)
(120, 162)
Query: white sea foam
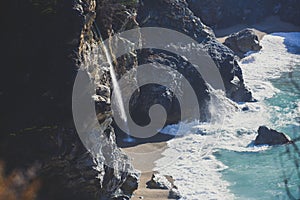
(269, 63)
(190, 159)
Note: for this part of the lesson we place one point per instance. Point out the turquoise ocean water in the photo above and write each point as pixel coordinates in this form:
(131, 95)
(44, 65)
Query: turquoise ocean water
(261, 175)
(219, 164)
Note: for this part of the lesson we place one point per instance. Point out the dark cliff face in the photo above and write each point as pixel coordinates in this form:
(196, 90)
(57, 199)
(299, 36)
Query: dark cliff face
(40, 42)
(37, 61)
(43, 41)
(224, 13)
(290, 11)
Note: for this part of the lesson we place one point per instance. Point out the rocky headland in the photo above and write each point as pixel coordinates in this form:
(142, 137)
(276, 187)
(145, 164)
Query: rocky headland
(47, 42)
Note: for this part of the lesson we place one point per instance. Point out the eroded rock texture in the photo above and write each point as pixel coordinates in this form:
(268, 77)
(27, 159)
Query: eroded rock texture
(243, 41)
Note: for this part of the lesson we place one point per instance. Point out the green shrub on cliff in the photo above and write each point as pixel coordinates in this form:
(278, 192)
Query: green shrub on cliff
(45, 7)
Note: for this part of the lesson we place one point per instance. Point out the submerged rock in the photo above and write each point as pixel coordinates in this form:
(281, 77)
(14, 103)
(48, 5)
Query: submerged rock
(243, 41)
(268, 136)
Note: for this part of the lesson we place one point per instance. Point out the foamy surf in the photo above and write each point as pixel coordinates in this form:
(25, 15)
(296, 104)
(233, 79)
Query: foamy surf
(273, 60)
(190, 158)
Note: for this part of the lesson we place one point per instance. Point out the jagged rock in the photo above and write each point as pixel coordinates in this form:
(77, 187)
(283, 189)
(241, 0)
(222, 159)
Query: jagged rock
(240, 93)
(243, 41)
(228, 66)
(159, 181)
(175, 14)
(268, 136)
(131, 183)
(174, 194)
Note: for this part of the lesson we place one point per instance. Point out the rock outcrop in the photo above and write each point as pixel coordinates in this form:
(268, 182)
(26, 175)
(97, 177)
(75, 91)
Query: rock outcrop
(243, 41)
(159, 181)
(268, 136)
(175, 14)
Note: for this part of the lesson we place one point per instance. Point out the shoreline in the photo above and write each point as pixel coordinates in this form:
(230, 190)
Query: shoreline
(146, 162)
(269, 25)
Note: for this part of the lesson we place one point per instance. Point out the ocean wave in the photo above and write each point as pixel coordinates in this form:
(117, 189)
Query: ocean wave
(190, 157)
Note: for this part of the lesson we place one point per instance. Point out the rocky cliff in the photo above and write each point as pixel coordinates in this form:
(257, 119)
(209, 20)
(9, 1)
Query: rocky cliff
(176, 15)
(46, 43)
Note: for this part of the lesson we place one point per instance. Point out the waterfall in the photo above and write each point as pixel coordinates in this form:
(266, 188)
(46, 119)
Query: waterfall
(117, 91)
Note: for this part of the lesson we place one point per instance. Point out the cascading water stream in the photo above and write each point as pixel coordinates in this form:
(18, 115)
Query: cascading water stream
(117, 91)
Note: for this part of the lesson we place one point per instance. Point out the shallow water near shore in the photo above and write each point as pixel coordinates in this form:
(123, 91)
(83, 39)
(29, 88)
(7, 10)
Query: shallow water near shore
(217, 164)
(261, 175)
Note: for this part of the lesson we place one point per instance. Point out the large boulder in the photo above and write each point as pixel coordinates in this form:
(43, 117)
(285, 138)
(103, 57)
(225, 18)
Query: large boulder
(268, 136)
(243, 41)
(159, 181)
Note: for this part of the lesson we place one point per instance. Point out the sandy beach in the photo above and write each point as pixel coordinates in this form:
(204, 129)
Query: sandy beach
(269, 25)
(145, 193)
(144, 157)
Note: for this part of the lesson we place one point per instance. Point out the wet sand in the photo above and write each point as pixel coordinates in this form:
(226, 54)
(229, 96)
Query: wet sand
(144, 157)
